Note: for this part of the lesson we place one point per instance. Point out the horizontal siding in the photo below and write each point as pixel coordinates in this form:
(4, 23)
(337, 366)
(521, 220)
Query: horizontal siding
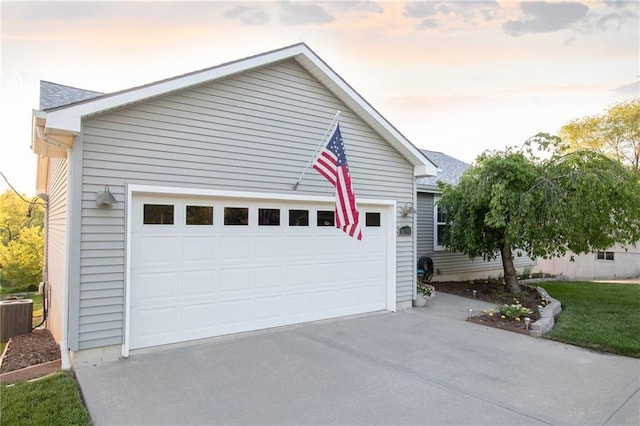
(447, 263)
(425, 223)
(56, 236)
(255, 132)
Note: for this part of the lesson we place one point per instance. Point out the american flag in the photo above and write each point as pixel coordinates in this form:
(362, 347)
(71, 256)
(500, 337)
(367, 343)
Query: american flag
(331, 163)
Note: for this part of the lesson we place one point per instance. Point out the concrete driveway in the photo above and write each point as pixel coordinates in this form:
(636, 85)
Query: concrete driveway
(419, 366)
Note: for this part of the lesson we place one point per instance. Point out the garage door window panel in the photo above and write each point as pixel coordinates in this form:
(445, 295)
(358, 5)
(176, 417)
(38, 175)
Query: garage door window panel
(268, 217)
(298, 217)
(236, 216)
(199, 215)
(158, 214)
(325, 218)
(372, 219)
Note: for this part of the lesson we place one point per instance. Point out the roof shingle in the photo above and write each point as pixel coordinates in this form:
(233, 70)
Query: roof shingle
(449, 169)
(53, 95)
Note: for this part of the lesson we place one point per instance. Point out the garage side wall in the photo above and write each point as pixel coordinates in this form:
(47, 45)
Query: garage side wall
(55, 253)
(253, 132)
(449, 265)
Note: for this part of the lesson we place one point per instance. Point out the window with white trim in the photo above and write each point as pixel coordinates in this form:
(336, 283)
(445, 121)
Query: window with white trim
(605, 255)
(439, 224)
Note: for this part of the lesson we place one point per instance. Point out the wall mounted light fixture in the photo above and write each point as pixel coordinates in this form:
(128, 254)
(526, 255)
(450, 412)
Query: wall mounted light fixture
(105, 198)
(408, 209)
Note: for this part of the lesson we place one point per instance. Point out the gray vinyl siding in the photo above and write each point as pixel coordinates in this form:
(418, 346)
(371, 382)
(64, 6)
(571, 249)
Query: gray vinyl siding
(55, 253)
(447, 262)
(254, 132)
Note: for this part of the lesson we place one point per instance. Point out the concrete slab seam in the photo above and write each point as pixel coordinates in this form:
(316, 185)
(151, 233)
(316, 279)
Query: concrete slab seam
(625, 402)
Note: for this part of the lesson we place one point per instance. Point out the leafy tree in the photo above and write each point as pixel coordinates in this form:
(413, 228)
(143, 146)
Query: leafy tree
(17, 213)
(514, 200)
(615, 134)
(21, 259)
(21, 251)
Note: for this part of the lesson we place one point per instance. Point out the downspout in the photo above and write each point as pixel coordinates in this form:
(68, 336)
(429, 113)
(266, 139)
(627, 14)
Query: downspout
(64, 345)
(45, 261)
(415, 237)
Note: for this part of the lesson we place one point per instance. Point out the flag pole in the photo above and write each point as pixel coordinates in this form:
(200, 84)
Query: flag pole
(335, 118)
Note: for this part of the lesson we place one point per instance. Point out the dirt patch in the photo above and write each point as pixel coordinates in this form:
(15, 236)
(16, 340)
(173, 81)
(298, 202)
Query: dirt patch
(27, 350)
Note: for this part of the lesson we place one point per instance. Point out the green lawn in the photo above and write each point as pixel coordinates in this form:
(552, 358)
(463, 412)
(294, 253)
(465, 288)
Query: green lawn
(37, 308)
(51, 401)
(599, 316)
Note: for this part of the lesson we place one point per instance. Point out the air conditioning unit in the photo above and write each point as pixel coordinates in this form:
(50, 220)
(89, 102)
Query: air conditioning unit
(15, 318)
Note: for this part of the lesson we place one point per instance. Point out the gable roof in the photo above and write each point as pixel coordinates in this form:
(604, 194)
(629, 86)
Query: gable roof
(62, 123)
(53, 95)
(449, 171)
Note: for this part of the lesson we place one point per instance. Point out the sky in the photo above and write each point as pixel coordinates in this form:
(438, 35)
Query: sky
(458, 77)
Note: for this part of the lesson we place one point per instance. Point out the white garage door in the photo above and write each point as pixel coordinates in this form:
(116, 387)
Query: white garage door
(208, 266)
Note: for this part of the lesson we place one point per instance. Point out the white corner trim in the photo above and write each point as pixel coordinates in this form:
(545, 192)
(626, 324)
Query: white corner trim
(127, 275)
(169, 190)
(392, 255)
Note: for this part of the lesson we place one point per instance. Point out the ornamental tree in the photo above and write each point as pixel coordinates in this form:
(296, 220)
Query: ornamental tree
(514, 201)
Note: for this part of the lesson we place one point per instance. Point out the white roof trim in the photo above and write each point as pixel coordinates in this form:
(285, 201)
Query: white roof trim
(69, 118)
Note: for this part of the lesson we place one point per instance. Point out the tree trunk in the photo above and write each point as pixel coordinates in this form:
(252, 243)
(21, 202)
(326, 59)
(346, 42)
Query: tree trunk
(510, 275)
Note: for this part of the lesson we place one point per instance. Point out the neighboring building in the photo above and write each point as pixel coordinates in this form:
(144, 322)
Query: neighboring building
(206, 235)
(617, 262)
(448, 265)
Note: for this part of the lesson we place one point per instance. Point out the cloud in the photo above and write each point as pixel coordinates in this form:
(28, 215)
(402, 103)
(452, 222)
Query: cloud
(304, 13)
(427, 24)
(249, 15)
(632, 89)
(621, 3)
(363, 6)
(441, 13)
(420, 9)
(543, 17)
(611, 21)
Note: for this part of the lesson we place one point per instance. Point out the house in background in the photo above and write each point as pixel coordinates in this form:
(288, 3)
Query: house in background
(172, 213)
(449, 266)
(617, 262)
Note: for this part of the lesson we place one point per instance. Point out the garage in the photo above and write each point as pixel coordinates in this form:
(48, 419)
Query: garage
(203, 266)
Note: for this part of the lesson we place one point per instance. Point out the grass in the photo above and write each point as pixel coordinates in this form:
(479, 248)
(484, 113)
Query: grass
(53, 400)
(599, 316)
(37, 308)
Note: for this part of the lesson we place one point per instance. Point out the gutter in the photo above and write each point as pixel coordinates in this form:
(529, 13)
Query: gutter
(64, 345)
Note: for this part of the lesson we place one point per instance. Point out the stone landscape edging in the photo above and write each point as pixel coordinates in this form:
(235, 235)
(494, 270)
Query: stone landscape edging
(548, 313)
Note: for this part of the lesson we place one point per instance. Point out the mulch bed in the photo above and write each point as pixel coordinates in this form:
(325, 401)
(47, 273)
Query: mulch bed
(493, 291)
(27, 350)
